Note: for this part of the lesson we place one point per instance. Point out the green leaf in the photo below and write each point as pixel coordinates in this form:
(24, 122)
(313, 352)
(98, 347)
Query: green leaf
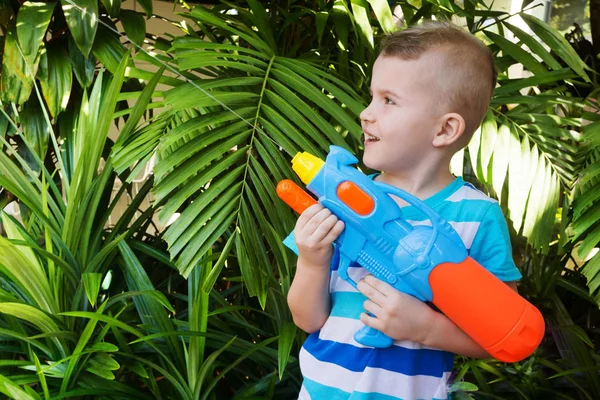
(101, 372)
(108, 49)
(212, 277)
(35, 128)
(23, 268)
(83, 67)
(134, 24)
(340, 15)
(592, 273)
(513, 85)
(41, 375)
(91, 283)
(151, 311)
(321, 22)
(112, 6)
(262, 20)
(218, 195)
(12, 390)
(382, 11)
(211, 17)
(516, 52)
(140, 107)
(489, 134)
(56, 86)
(104, 347)
(360, 11)
(78, 353)
(501, 158)
(463, 386)
(105, 361)
(32, 22)
(82, 19)
(140, 370)
(208, 364)
(315, 95)
(147, 6)
(16, 80)
(534, 45)
(287, 334)
(31, 315)
(559, 45)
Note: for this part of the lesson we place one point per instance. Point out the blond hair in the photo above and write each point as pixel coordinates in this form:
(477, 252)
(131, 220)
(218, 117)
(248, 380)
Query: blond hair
(464, 75)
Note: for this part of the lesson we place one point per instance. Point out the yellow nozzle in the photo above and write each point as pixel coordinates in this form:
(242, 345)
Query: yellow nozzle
(306, 166)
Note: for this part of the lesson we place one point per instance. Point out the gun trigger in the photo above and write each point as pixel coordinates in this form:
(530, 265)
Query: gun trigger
(345, 262)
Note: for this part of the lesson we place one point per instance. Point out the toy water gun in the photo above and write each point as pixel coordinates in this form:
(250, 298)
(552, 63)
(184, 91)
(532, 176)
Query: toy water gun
(427, 262)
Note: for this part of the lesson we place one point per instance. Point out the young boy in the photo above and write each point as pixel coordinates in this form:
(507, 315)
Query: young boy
(430, 89)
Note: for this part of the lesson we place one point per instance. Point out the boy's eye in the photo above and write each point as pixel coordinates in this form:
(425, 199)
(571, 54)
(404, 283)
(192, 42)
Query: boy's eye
(388, 100)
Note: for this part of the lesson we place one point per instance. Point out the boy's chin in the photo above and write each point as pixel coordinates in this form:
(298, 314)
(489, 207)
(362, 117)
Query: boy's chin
(372, 161)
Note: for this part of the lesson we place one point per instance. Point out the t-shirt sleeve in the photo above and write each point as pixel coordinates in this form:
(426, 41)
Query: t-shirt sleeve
(290, 242)
(491, 246)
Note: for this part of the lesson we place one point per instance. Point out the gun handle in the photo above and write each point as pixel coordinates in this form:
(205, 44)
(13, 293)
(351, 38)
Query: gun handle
(294, 196)
(372, 337)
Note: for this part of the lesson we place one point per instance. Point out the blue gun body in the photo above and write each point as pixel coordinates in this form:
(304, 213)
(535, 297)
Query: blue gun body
(383, 242)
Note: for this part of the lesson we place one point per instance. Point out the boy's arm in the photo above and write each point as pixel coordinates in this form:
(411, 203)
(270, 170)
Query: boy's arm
(445, 335)
(308, 298)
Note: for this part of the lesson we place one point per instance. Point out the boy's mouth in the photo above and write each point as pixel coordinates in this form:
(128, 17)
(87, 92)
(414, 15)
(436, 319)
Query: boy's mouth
(367, 137)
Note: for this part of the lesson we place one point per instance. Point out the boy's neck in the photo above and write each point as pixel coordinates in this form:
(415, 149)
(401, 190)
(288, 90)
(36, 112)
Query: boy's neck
(420, 186)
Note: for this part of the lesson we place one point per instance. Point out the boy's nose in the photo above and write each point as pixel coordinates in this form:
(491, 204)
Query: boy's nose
(366, 114)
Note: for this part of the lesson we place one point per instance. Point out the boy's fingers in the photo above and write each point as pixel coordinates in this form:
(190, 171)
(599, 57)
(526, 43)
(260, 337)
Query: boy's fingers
(324, 227)
(310, 211)
(335, 231)
(312, 226)
(370, 291)
(371, 321)
(373, 308)
(311, 218)
(379, 285)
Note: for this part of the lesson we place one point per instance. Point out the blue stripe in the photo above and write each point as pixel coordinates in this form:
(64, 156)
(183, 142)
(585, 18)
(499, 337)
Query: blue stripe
(395, 358)
(468, 210)
(347, 304)
(318, 391)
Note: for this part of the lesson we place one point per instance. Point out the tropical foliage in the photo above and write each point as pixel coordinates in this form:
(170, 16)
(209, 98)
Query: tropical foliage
(198, 310)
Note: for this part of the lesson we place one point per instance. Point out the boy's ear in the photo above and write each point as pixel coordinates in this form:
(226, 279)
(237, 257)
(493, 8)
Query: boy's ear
(452, 126)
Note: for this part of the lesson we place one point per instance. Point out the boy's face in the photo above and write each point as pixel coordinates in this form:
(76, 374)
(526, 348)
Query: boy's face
(400, 123)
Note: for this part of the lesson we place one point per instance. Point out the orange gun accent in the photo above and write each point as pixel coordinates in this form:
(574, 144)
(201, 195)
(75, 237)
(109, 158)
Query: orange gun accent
(355, 198)
(294, 196)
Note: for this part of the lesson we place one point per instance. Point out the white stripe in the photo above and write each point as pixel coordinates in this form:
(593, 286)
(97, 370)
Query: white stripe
(468, 193)
(403, 386)
(337, 284)
(341, 330)
(373, 380)
(466, 231)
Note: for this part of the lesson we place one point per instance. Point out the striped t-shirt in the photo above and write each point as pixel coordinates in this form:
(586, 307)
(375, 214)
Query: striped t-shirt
(335, 367)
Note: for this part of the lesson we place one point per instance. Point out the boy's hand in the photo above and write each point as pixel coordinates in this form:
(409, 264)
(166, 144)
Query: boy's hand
(315, 231)
(399, 315)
